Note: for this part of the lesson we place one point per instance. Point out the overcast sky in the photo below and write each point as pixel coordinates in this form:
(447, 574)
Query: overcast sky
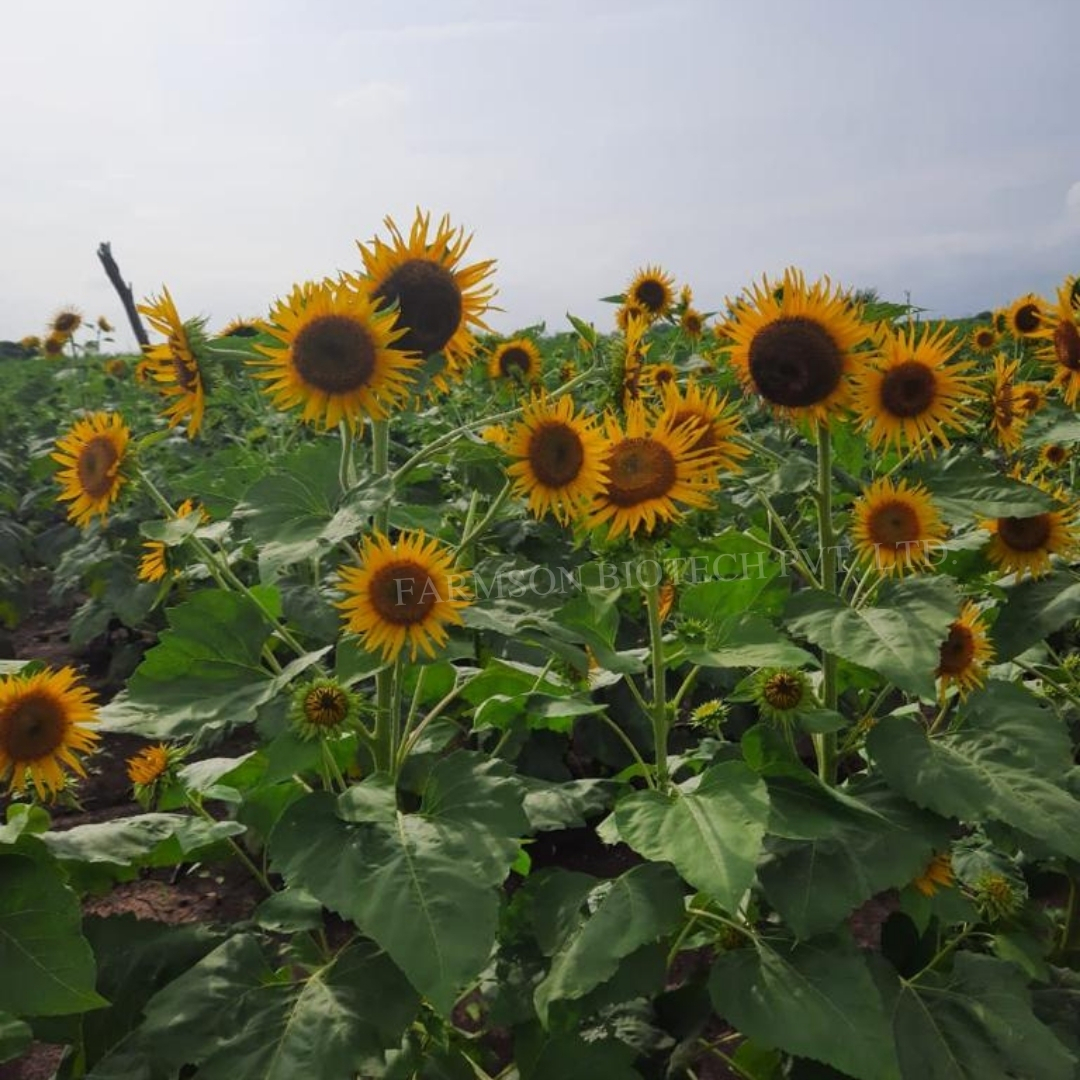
(228, 149)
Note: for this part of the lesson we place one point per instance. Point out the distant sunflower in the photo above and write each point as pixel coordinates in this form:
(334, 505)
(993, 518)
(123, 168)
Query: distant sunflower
(154, 564)
(660, 375)
(518, 359)
(938, 873)
(54, 344)
(895, 526)
(439, 303)
(405, 592)
(650, 472)
(1061, 333)
(1007, 418)
(149, 765)
(913, 396)
(1024, 545)
(239, 327)
(714, 423)
(793, 345)
(651, 290)
(628, 314)
(116, 366)
(966, 652)
(66, 321)
(1026, 316)
(174, 365)
(342, 357)
(560, 458)
(1053, 456)
(31, 342)
(43, 720)
(984, 339)
(104, 325)
(692, 323)
(91, 455)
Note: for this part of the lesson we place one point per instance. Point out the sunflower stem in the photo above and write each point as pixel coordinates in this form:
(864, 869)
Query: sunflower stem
(196, 804)
(475, 530)
(825, 745)
(347, 464)
(658, 711)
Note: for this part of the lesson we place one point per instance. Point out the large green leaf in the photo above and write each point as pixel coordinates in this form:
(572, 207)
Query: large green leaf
(746, 640)
(407, 880)
(541, 1055)
(975, 776)
(967, 488)
(15, 1036)
(640, 907)
(1032, 609)
(816, 999)
(48, 968)
(900, 638)
(710, 830)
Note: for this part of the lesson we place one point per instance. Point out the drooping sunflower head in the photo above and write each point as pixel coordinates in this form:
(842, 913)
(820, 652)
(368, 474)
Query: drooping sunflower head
(66, 321)
(54, 344)
(323, 707)
(793, 345)
(715, 424)
(938, 873)
(518, 360)
(896, 526)
(1007, 417)
(966, 652)
(44, 720)
(437, 302)
(559, 458)
(984, 339)
(651, 470)
(1025, 545)
(104, 325)
(1026, 315)
(155, 562)
(651, 291)
(914, 395)
(1060, 333)
(404, 593)
(340, 357)
(91, 456)
(779, 693)
(240, 327)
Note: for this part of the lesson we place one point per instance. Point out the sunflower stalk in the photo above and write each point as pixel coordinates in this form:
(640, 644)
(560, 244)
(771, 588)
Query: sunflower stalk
(384, 748)
(825, 745)
(658, 709)
(347, 465)
(475, 529)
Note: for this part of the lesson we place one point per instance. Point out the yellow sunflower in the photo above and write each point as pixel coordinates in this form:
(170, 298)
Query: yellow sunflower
(66, 321)
(342, 357)
(54, 344)
(1053, 456)
(651, 291)
(984, 339)
(31, 342)
(104, 325)
(1026, 316)
(91, 455)
(1061, 332)
(439, 303)
(1007, 417)
(649, 472)
(560, 458)
(660, 375)
(716, 425)
(629, 314)
(116, 366)
(938, 872)
(43, 720)
(174, 365)
(1073, 286)
(913, 395)
(518, 359)
(154, 564)
(239, 327)
(793, 345)
(1024, 545)
(405, 592)
(896, 526)
(965, 653)
(149, 765)
(692, 323)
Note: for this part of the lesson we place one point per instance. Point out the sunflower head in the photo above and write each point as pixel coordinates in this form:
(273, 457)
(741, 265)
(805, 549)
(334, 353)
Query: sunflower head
(116, 366)
(710, 715)
(984, 339)
(692, 323)
(896, 526)
(91, 456)
(54, 344)
(965, 653)
(151, 769)
(715, 423)
(44, 726)
(31, 342)
(660, 375)
(517, 360)
(1007, 417)
(1025, 545)
(999, 896)
(630, 314)
(1053, 456)
(937, 874)
(323, 707)
(779, 693)
(1026, 316)
(240, 327)
(1060, 334)
(104, 325)
(651, 291)
(66, 321)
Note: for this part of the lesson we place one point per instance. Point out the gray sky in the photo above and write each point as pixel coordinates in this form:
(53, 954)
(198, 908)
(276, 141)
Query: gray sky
(228, 149)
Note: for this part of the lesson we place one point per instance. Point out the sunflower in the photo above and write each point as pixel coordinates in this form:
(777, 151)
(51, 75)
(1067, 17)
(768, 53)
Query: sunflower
(42, 727)
(938, 872)
(1053, 456)
(692, 323)
(518, 359)
(149, 765)
(780, 692)
(660, 375)
(1072, 284)
(1024, 545)
(404, 592)
(984, 339)
(560, 458)
(66, 321)
(896, 526)
(174, 365)
(651, 291)
(1026, 316)
(1061, 332)
(965, 653)
(342, 359)
(91, 455)
(649, 472)
(792, 344)
(715, 424)
(54, 344)
(630, 314)
(31, 342)
(239, 327)
(104, 325)
(323, 707)
(913, 394)
(154, 564)
(438, 302)
(116, 366)
(1007, 417)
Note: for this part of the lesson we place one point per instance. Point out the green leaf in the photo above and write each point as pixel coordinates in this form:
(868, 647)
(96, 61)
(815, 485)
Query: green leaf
(640, 907)
(744, 641)
(1034, 608)
(48, 968)
(816, 999)
(564, 806)
(15, 1036)
(711, 830)
(974, 776)
(968, 488)
(900, 638)
(540, 1055)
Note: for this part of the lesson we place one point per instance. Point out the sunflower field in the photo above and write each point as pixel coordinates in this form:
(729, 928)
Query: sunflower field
(691, 697)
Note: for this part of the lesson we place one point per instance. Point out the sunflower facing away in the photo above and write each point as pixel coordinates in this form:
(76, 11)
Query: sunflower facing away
(560, 458)
(518, 360)
(43, 720)
(149, 765)
(984, 339)
(66, 321)
(1007, 415)
(439, 302)
(651, 291)
(91, 455)
(405, 592)
(1025, 316)
(793, 345)
(649, 471)
(716, 425)
(239, 327)
(1024, 545)
(966, 652)
(340, 357)
(938, 873)
(154, 564)
(896, 526)
(1062, 349)
(173, 365)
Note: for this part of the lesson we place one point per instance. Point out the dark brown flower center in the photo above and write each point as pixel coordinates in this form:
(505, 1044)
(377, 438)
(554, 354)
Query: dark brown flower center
(692, 324)
(1067, 345)
(403, 593)
(1004, 406)
(1055, 454)
(894, 524)
(957, 650)
(639, 469)
(186, 374)
(783, 690)
(1025, 533)
(908, 389)
(795, 362)
(95, 466)
(429, 304)
(556, 454)
(515, 362)
(66, 322)
(651, 295)
(32, 727)
(985, 339)
(1027, 319)
(54, 346)
(326, 706)
(335, 354)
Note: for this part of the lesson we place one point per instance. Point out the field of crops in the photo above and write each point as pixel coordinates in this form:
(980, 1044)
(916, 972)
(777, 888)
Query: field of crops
(691, 696)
